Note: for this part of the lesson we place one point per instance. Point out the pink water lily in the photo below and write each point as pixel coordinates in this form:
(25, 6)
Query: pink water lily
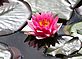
(43, 25)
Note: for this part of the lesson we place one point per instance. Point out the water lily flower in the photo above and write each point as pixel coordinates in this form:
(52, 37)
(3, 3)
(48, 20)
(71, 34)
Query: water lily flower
(43, 25)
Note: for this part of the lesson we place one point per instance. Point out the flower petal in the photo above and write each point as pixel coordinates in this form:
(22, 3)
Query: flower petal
(31, 25)
(35, 23)
(58, 27)
(55, 21)
(45, 30)
(38, 17)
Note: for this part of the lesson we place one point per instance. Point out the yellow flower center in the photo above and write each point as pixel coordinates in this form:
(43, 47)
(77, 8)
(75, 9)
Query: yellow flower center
(44, 22)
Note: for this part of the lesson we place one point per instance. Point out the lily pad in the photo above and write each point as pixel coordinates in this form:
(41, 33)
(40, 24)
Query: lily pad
(76, 28)
(13, 16)
(79, 31)
(67, 29)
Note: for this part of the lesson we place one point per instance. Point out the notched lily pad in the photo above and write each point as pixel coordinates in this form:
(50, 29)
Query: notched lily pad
(13, 16)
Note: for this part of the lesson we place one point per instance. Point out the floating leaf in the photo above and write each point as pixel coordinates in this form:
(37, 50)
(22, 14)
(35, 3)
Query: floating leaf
(79, 31)
(13, 16)
(76, 28)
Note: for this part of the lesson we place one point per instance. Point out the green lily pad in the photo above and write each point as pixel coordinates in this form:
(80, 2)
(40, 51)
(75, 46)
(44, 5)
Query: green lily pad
(50, 50)
(76, 28)
(79, 31)
(67, 29)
